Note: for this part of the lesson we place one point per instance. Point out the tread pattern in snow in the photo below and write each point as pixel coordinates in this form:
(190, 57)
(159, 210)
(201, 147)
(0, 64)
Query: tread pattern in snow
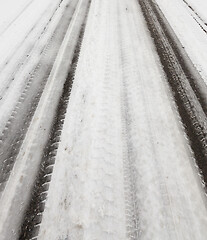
(33, 216)
(191, 102)
(18, 123)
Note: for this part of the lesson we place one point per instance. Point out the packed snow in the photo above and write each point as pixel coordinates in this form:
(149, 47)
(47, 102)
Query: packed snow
(121, 110)
(187, 29)
(124, 168)
(22, 45)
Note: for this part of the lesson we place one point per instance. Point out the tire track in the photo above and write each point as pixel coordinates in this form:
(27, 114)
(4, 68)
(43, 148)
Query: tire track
(202, 24)
(27, 53)
(133, 176)
(17, 125)
(33, 215)
(195, 80)
(134, 83)
(90, 203)
(130, 174)
(189, 97)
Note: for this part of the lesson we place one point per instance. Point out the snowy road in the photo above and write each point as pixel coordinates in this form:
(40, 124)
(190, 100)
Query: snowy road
(189, 23)
(103, 129)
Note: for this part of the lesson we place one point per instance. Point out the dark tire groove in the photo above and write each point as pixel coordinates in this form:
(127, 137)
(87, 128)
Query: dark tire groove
(29, 50)
(194, 78)
(188, 99)
(16, 128)
(33, 215)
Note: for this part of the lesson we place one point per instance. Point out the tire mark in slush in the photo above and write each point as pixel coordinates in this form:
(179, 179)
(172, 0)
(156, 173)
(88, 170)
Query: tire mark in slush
(34, 213)
(189, 101)
(17, 125)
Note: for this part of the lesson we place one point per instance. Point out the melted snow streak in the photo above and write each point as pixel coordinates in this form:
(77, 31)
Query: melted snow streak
(189, 96)
(19, 121)
(33, 216)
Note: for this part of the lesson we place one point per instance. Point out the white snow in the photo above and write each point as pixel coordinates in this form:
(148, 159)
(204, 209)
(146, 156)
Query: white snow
(124, 169)
(192, 37)
(10, 11)
(17, 192)
(200, 7)
(21, 49)
(16, 31)
(119, 71)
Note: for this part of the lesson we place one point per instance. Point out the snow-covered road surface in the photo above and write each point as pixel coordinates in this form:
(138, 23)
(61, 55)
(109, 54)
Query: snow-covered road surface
(190, 28)
(113, 157)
